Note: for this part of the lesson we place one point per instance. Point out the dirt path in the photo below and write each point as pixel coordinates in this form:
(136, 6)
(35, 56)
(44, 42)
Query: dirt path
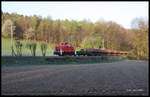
(118, 78)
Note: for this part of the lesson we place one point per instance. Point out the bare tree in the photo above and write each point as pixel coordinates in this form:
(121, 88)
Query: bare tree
(8, 30)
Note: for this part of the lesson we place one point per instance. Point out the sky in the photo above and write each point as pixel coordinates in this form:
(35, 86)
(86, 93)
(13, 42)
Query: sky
(120, 12)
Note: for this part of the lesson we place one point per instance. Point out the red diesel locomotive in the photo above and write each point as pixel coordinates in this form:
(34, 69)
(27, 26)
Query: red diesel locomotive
(64, 49)
(67, 49)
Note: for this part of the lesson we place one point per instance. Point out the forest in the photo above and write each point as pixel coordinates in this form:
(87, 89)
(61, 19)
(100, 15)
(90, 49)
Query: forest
(81, 34)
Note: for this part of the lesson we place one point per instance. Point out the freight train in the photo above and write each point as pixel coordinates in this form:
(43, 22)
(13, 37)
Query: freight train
(67, 49)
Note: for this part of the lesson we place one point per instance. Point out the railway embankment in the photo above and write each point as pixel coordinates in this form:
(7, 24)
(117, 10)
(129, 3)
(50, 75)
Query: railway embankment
(55, 60)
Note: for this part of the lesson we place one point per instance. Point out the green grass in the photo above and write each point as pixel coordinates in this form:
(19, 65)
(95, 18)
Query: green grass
(6, 48)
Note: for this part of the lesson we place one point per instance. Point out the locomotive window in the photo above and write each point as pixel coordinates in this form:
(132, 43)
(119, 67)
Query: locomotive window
(68, 44)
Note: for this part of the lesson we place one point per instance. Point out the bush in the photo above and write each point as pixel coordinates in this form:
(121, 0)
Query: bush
(143, 58)
(32, 47)
(18, 45)
(131, 58)
(43, 49)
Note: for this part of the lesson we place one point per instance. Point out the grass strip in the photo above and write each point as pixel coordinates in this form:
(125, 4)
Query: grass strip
(24, 61)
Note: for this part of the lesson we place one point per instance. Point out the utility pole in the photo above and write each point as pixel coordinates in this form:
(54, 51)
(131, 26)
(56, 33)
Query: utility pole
(11, 40)
(103, 44)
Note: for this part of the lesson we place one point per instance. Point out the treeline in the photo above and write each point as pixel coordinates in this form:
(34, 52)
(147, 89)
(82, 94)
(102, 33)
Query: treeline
(83, 34)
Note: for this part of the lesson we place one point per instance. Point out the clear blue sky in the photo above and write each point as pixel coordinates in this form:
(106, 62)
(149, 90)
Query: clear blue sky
(120, 12)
